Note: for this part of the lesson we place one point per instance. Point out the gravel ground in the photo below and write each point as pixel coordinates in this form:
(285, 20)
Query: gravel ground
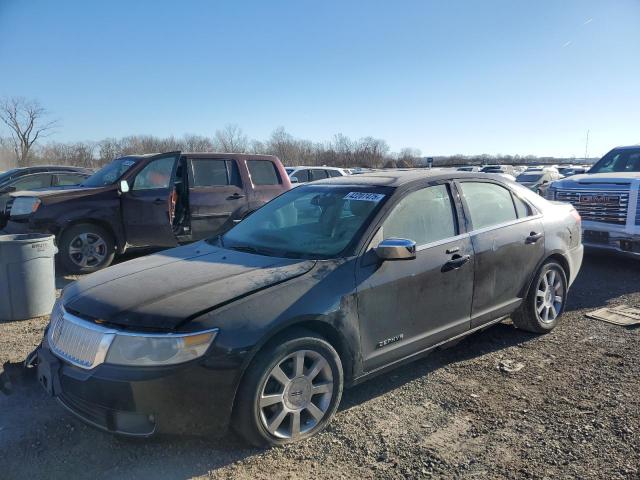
(571, 410)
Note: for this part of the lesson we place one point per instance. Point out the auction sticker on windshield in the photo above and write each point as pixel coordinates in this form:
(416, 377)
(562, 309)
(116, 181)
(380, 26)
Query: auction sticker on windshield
(364, 196)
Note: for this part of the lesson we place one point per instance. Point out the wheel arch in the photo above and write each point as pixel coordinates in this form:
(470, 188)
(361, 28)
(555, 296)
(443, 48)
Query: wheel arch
(556, 256)
(98, 223)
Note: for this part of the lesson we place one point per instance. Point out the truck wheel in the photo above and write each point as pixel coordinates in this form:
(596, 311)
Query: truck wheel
(545, 301)
(86, 248)
(290, 391)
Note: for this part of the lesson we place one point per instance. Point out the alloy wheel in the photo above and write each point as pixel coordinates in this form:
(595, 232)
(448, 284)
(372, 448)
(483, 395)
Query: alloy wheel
(88, 250)
(549, 296)
(296, 394)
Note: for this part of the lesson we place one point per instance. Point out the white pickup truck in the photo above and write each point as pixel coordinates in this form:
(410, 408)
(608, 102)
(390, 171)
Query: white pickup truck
(608, 200)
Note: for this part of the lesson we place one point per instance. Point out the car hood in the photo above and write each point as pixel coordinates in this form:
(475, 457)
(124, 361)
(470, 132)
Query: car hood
(52, 195)
(165, 290)
(597, 178)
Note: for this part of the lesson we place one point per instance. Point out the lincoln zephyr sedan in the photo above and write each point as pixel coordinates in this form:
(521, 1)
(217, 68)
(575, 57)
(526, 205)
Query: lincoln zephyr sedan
(327, 285)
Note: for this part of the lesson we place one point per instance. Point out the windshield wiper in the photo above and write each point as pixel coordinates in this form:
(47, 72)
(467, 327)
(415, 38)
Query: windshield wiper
(250, 249)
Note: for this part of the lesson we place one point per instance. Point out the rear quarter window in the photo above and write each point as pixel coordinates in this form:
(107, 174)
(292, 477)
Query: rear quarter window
(263, 172)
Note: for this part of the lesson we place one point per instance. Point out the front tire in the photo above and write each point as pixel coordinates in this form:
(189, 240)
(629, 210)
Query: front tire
(545, 300)
(86, 248)
(290, 391)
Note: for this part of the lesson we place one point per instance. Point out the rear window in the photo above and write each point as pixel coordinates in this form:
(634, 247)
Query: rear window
(212, 173)
(263, 172)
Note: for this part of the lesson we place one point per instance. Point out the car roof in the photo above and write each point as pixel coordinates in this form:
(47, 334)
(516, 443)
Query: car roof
(319, 167)
(398, 178)
(46, 168)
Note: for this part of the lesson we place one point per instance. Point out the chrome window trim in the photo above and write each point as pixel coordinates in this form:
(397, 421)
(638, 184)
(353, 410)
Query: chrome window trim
(505, 224)
(108, 336)
(437, 243)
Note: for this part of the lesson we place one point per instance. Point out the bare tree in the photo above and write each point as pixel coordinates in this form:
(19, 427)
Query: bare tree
(26, 121)
(231, 139)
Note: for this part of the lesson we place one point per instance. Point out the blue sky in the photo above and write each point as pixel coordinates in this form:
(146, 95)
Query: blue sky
(492, 76)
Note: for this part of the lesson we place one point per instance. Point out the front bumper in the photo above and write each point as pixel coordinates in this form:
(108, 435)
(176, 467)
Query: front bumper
(614, 239)
(189, 399)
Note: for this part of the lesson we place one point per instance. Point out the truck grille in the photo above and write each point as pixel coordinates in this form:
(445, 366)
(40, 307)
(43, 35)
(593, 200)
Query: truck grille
(608, 206)
(77, 341)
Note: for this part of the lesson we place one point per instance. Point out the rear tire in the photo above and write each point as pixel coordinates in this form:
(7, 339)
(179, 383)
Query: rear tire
(272, 409)
(545, 301)
(86, 248)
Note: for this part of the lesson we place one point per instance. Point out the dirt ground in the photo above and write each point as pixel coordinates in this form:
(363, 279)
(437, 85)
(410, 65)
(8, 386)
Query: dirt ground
(572, 410)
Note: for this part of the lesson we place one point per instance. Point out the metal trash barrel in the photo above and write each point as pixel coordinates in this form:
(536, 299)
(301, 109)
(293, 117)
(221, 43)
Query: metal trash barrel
(27, 276)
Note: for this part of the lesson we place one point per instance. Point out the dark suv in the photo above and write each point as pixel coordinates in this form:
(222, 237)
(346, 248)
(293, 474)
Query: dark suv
(157, 200)
(33, 178)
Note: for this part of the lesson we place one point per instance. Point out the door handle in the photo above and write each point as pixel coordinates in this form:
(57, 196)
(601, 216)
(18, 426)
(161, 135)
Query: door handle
(235, 196)
(452, 250)
(456, 262)
(534, 237)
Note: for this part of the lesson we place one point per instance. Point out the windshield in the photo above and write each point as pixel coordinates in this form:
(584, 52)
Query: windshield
(6, 175)
(627, 160)
(110, 174)
(315, 222)
(526, 177)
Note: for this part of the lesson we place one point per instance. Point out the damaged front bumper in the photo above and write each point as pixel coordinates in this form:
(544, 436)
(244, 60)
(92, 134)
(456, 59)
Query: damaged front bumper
(183, 399)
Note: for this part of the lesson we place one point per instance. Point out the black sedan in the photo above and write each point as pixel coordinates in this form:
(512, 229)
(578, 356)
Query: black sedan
(325, 286)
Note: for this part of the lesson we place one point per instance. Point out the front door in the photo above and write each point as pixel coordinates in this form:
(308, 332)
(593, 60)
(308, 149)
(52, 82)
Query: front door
(216, 195)
(406, 306)
(508, 241)
(146, 207)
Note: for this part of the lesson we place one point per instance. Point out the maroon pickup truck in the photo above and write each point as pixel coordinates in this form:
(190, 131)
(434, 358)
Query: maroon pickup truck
(158, 200)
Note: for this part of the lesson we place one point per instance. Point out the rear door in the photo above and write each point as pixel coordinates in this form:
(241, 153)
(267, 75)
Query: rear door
(216, 195)
(405, 306)
(146, 207)
(508, 241)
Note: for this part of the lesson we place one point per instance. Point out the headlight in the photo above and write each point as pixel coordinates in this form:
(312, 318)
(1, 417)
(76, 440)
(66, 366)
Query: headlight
(162, 349)
(24, 206)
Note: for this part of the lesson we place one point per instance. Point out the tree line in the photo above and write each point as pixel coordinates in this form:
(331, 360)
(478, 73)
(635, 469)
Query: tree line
(27, 124)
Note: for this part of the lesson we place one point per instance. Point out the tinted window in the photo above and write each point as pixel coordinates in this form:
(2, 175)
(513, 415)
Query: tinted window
(301, 175)
(489, 204)
(263, 172)
(317, 174)
(209, 173)
(31, 182)
(334, 173)
(67, 179)
(423, 216)
(155, 175)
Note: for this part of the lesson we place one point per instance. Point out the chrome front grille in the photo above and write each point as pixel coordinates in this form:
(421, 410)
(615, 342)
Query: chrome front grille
(77, 341)
(607, 206)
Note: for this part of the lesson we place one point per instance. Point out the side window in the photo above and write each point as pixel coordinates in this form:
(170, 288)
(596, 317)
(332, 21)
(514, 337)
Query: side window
(155, 175)
(317, 174)
(31, 182)
(522, 208)
(301, 175)
(334, 173)
(263, 172)
(212, 173)
(489, 204)
(424, 216)
(68, 179)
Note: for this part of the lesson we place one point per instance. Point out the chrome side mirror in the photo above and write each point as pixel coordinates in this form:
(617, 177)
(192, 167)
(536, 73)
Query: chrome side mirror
(124, 186)
(396, 249)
